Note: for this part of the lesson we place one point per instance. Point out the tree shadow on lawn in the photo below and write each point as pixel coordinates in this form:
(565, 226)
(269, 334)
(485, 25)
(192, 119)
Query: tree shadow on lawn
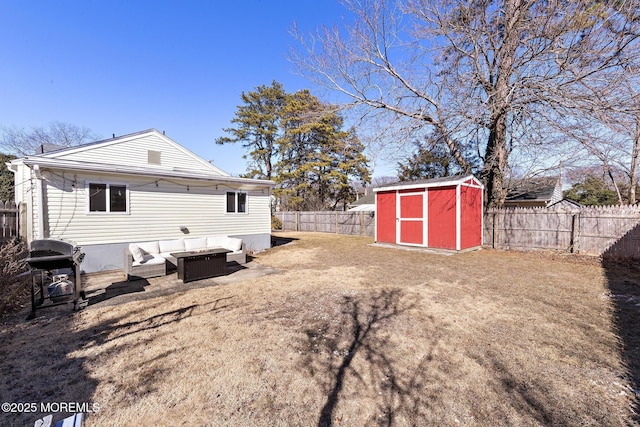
(624, 287)
(38, 365)
(362, 332)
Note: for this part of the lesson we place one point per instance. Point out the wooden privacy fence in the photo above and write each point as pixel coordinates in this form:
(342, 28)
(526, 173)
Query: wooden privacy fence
(9, 220)
(611, 231)
(357, 223)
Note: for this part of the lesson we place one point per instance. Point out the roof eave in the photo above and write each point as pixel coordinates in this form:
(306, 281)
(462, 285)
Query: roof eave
(124, 170)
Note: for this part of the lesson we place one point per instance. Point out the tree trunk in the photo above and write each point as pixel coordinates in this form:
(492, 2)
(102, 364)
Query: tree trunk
(495, 161)
(499, 100)
(633, 170)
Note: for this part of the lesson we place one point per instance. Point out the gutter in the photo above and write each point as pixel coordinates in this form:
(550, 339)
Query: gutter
(123, 170)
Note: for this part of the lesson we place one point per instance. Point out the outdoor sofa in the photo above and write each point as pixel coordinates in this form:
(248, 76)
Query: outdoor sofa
(153, 259)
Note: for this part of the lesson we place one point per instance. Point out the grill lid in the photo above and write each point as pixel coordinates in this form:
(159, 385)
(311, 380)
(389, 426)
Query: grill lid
(48, 254)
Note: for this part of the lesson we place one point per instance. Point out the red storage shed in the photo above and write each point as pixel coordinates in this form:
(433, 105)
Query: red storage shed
(443, 213)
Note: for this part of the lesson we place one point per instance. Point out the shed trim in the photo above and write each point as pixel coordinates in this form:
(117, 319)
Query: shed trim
(435, 182)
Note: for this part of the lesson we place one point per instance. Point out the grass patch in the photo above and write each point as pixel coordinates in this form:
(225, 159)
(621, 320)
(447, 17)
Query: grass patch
(346, 334)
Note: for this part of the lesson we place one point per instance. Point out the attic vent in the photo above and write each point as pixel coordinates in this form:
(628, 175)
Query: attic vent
(153, 157)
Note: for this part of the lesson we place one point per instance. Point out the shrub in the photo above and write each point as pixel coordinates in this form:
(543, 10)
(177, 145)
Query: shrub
(13, 290)
(276, 224)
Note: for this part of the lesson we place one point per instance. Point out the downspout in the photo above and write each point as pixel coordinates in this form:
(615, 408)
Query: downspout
(40, 199)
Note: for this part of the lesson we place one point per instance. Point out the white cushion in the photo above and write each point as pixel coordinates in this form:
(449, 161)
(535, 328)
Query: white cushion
(216, 241)
(169, 257)
(149, 247)
(171, 245)
(150, 260)
(233, 244)
(196, 243)
(138, 255)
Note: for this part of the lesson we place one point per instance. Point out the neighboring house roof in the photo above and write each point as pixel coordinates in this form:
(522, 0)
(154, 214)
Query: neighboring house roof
(365, 203)
(541, 190)
(369, 199)
(433, 182)
(566, 204)
(363, 208)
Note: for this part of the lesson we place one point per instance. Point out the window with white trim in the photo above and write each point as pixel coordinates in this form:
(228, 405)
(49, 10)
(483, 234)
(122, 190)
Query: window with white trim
(236, 202)
(108, 198)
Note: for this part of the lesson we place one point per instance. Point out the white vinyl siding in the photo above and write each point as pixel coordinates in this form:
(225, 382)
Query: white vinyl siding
(156, 211)
(135, 152)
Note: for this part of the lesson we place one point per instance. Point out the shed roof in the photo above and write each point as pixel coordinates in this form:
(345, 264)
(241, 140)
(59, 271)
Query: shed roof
(433, 182)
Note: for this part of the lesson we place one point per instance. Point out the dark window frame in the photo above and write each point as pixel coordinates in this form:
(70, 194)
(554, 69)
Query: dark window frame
(109, 202)
(236, 202)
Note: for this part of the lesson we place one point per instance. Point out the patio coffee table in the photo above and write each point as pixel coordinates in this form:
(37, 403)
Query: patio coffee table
(196, 265)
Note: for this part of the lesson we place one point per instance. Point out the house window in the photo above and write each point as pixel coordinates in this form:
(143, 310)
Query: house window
(236, 202)
(108, 197)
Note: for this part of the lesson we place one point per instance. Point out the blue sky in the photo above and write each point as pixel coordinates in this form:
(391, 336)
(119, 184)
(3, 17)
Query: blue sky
(118, 66)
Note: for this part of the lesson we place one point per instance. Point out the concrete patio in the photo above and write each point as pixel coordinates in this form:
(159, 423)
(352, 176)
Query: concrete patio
(111, 288)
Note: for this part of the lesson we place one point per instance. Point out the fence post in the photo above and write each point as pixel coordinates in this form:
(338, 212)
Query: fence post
(494, 242)
(361, 223)
(575, 233)
(337, 229)
(297, 221)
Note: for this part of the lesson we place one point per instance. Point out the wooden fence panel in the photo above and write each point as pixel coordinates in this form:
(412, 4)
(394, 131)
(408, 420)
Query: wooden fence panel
(288, 219)
(326, 222)
(608, 231)
(599, 232)
(535, 229)
(369, 224)
(351, 223)
(9, 220)
(307, 221)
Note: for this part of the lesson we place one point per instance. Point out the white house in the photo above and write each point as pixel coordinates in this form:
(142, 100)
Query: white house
(138, 187)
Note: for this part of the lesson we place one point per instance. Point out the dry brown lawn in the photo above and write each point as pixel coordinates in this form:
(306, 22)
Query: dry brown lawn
(347, 334)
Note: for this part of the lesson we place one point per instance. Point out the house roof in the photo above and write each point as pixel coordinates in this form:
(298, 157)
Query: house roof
(533, 189)
(124, 138)
(365, 203)
(566, 204)
(60, 160)
(369, 199)
(52, 151)
(433, 182)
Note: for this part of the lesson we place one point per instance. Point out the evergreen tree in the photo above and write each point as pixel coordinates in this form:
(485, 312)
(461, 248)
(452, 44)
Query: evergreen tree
(317, 158)
(258, 127)
(432, 159)
(427, 161)
(7, 184)
(592, 190)
(298, 141)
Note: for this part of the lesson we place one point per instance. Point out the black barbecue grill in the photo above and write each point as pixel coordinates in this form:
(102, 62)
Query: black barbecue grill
(55, 274)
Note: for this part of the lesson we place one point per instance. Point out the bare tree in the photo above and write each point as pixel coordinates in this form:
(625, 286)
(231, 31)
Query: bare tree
(25, 142)
(485, 73)
(607, 126)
